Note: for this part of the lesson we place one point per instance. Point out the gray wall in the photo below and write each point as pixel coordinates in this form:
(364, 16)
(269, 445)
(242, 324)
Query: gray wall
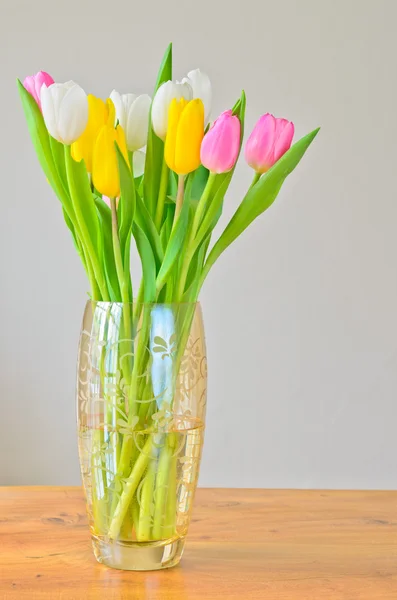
(300, 312)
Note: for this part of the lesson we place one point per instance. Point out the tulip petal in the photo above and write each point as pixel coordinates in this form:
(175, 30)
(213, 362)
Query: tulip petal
(105, 175)
(48, 109)
(137, 122)
(73, 114)
(162, 101)
(174, 113)
(201, 86)
(284, 135)
(189, 136)
(117, 100)
(221, 144)
(259, 146)
(139, 158)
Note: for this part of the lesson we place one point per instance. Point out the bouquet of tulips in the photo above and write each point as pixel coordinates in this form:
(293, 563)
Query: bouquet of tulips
(156, 172)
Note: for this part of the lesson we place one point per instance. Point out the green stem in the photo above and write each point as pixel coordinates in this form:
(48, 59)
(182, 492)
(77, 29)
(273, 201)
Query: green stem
(117, 254)
(124, 287)
(130, 489)
(162, 195)
(95, 291)
(145, 514)
(179, 197)
(83, 229)
(161, 492)
(255, 179)
(193, 231)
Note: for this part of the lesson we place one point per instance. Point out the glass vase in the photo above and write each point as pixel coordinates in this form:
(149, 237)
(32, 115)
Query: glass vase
(141, 399)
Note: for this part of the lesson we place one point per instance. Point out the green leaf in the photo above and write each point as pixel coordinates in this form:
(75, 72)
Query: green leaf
(58, 155)
(197, 182)
(82, 199)
(174, 245)
(155, 146)
(167, 225)
(105, 215)
(126, 262)
(193, 281)
(148, 263)
(145, 222)
(259, 198)
(41, 142)
(127, 202)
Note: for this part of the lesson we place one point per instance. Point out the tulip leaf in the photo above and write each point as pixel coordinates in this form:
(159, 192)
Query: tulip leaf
(112, 281)
(126, 263)
(259, 198)
(155, 146)
(41, 142)
(83, 203)
(127, 202)
(176, 241)
(145, 222)
(58, 155)
(196, 182)
(167, 225)
(148, 263)
(193, 280)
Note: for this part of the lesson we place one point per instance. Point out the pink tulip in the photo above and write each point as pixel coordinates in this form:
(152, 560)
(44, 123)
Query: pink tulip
(221, 144)
(34, 83)
(269, 140)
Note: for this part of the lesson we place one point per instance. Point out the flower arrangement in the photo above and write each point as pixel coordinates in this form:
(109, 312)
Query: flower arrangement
(155, 172)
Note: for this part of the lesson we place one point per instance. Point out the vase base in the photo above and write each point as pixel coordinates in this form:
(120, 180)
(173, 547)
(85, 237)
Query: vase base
(138, 556)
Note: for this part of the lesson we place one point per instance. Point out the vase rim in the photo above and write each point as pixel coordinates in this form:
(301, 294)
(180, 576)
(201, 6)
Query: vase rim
(107, 304)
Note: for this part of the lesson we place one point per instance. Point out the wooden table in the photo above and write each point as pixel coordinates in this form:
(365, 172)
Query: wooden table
(243, 544)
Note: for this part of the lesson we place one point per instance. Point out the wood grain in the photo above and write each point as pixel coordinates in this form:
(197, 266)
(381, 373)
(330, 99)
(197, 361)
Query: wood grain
(243, 544)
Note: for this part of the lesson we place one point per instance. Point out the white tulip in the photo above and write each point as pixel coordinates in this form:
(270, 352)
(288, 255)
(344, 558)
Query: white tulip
(201, 86)
(65, 110)
(138, 162)
(132, 112)
(161, 103)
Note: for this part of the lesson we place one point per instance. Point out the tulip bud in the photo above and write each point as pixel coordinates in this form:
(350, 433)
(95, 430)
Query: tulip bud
(132, 112)
(221, 144)
(65, 110)
(269, 140)
(34, 83)
(99, 114)
(201, 86)
(162, 101)
(105, 170)
(184, 136)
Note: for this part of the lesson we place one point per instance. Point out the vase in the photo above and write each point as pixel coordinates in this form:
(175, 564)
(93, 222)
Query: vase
(141, 400)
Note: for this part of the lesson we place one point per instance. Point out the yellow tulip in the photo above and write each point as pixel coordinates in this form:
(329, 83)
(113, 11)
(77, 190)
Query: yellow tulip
(185, 133)
(99, 114)
(105, 170)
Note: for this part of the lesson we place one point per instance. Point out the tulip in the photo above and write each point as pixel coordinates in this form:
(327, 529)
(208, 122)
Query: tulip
(105, 170)
(99, 114)
(184, 136)
(34, 83)
(65, 110)
(138, 162)
(132, 113)
(201, 86)
(269, 140)
(166, 93)
(221, 144)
